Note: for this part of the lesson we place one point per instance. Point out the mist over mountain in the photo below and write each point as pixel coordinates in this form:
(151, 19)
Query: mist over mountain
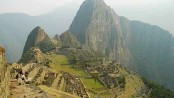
(16, 26)
(152, 49)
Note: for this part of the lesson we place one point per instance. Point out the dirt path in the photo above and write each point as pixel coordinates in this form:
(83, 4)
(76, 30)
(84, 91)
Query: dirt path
(25, 91)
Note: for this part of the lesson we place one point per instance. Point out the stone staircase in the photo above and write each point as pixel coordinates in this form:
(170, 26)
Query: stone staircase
(41, 75)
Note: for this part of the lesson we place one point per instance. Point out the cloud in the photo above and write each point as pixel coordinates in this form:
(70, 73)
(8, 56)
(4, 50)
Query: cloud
(32, 7)
(155, 12)
(138, 3)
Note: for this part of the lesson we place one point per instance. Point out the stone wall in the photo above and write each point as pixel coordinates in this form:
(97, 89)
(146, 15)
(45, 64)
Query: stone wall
(2, 62)
(4, 75)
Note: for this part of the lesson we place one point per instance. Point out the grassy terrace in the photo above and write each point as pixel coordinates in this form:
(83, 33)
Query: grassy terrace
(58, 60)
(61, 59)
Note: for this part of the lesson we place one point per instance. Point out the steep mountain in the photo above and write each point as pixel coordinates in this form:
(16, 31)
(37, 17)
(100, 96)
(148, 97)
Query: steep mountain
(139, 46)
(152, 49)
(98, 28)
(38, 38)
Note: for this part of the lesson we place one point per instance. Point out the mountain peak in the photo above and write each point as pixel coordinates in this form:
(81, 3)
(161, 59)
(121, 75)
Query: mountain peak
(38, 31)
(36, 35)
(89, 10)
(38, 27)
(95, 2)
(57, 37)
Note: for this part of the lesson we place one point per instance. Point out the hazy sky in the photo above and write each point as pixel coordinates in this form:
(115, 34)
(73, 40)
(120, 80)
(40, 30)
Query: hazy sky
(156, 12)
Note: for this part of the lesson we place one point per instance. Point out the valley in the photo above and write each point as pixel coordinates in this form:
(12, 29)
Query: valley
(101, 55)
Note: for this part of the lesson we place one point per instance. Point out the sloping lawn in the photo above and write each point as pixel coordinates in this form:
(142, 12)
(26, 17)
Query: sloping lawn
(60, 60)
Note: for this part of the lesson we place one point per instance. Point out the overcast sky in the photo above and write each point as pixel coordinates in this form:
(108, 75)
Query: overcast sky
(155, 12)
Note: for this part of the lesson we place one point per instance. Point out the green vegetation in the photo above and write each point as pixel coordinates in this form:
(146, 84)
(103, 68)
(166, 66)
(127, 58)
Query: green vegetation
(61, 62)
(158, 91)
(81, 57)
(91, 83)
(59, 59)
(46, 45)
(94, 87)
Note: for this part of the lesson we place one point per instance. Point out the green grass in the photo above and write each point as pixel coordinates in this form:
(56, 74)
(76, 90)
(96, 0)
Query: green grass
(90, 83)
(61, 59)
(58, 60)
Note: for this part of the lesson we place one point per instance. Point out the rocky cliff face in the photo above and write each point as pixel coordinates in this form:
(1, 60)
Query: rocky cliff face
(152, 49)
(57, 40)
(69, 40)
(4, 75)
(147, 49)
(98, 28)
(38, 38)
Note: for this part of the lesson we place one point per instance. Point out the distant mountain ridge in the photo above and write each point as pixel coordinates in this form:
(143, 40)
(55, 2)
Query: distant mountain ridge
(16, 26)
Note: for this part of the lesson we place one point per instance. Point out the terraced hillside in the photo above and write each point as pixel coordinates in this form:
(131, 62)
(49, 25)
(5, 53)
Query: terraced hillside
(45, 82)
(61, 79)
(93, 83)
